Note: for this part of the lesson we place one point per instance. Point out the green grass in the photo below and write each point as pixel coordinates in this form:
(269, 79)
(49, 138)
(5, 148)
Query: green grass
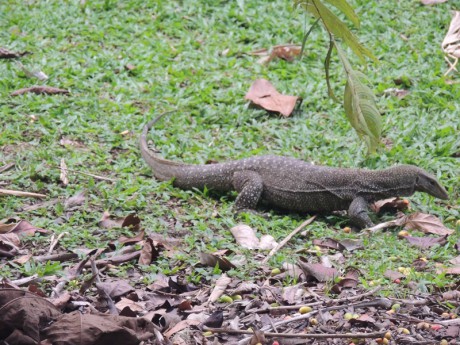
(176, 48)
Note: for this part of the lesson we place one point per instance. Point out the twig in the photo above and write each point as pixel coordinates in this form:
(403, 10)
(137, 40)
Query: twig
(287, 239)
(335, 301)
(301, 335)
(6, 167)
(19, 193)
(117, 259)
(103, 293)
(55, 242)
(24, 281)
(62, 257)
(97, 177)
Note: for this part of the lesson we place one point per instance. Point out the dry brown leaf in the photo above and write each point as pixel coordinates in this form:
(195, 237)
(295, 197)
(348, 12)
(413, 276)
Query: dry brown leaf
(136, 307)
(426, 223)
(91, 329)
(211, 260)
(40, 90)
(452, 270)
(219, 289)
(107, 221)
(425, 242)
(245, 236)
(74, 201)
(451, 43)
(320, 272)
(115, 289)
(286, 52)
(390, 204)
(264, 94)
(393, 275)
(8, 54)
(21, 228)
(395, 92)
(63, 176)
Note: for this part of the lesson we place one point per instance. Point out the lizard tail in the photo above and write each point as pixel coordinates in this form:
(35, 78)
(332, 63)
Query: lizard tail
(163, 169)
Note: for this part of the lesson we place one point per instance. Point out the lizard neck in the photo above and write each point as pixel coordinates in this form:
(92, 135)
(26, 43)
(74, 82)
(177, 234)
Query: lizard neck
(391, 182)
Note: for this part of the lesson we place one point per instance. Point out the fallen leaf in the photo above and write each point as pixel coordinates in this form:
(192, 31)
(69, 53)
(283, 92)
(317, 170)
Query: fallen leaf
(131, 240)
(426, 223)
(452, 270)
(399, 93)
(267, 242)
(21, 228)
(136, 307)
(215, 320)
(74, 201)
(40, 90)
(8, 54)
(219, 288)
(63, 176)
(451, 43)
(32, 74)
(329, 243)
(211, 260)
(23, 316)
(107, 221)
(93, 329)
(286, 52)
(393, 275)
(264, 94)
(426, 242)
(391, 204)
(318, 271)
(245, 236)
(115, 289)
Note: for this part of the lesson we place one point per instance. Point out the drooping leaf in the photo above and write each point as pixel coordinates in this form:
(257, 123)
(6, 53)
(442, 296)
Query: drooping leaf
(346, 9)
(337, 27)
(359, 104)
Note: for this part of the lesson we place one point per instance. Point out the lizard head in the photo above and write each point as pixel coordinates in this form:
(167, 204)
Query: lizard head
(427, 183)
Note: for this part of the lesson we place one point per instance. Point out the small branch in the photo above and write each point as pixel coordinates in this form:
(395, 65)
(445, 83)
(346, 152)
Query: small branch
(335, 301)
(6, 167)
(97, 177)
(287, 239)
(300, 335)
(55, 242)
(117, 259)
(19, 193)
(56, 257)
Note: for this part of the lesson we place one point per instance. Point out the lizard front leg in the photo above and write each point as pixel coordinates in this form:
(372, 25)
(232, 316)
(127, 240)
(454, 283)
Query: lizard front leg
(358, 213)
(249, 186)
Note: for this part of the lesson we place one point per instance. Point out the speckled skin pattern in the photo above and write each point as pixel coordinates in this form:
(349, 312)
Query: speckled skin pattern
(295, 185)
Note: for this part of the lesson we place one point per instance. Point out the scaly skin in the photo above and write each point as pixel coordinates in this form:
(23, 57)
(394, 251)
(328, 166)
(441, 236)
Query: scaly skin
(295, 185)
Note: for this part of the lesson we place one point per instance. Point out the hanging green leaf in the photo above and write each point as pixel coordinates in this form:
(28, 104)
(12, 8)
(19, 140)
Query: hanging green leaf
(335, 26)
(359, 104)
(346, 9)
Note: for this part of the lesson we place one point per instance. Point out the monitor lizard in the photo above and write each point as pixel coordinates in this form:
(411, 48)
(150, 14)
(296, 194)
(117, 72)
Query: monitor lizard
(295, 185)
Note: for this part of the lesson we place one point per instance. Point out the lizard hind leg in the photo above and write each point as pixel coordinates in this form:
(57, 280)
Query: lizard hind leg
(249, 186)
(358, 213)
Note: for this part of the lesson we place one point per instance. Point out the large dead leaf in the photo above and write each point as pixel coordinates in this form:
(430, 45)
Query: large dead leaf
(426, 223)
(89, 329)
(107, 221)
(21, 228)
(451, 43)
(219, 289)
(8, 54)
(40, 90)
(320, 272)
(425, 242)
(211, 260)
(246, 237)
(115, 289)
(23, 314)
(391, 204)
(286, 52)
(264, 94)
